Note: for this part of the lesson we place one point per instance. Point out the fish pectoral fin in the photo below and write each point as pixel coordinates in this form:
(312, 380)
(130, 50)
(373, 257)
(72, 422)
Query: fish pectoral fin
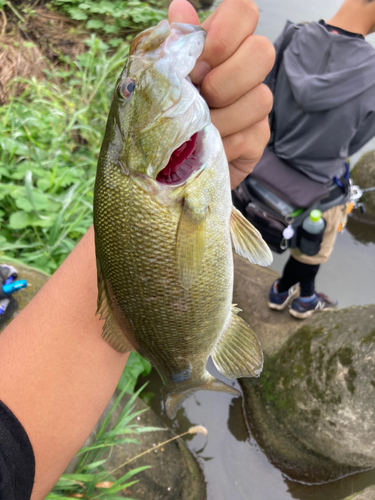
(248, 241)
(111, 332)
(173, 400)
(238, 352)
(191, 235)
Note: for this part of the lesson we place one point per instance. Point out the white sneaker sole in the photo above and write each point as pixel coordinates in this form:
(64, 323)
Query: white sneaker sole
(307, 314)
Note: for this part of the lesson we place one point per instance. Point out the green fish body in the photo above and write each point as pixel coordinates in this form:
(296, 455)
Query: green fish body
(165, 224)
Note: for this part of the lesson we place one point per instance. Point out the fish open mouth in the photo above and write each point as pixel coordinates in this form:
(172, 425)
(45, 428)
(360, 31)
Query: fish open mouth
(182, 163)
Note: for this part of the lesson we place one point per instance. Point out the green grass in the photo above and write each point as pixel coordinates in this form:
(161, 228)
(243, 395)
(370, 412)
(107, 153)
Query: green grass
(49, 143)
(91, 479)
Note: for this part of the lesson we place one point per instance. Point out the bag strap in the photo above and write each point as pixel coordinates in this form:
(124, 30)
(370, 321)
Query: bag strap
(279, 57)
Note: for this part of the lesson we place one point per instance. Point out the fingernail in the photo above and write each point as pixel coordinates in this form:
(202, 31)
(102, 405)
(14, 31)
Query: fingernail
(200, 70)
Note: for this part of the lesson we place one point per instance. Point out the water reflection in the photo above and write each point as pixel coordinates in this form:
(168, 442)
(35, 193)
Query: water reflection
(336, 490)
(236, 420)
(362, 228)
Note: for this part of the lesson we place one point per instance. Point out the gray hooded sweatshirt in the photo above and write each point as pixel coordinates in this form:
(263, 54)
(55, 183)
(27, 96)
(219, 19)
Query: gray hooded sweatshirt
(324, 100)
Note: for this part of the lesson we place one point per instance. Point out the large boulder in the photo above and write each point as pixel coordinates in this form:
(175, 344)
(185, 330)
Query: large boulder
(174, 473)
(312, 409)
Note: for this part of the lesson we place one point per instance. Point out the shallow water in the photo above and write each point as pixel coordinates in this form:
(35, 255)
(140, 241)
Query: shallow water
(234, 466)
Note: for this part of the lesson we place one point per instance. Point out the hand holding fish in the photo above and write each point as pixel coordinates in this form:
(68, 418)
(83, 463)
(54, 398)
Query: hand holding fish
(230, 70)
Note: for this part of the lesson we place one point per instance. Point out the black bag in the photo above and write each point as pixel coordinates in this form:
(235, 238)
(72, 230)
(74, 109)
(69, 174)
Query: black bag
(268, 222)
(287, 182)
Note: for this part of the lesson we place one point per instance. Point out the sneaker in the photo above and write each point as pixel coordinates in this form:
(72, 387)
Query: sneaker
(279, 301)
(304, 309)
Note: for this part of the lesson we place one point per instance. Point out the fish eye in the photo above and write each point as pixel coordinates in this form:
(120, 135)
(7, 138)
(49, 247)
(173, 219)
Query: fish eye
(126, 88)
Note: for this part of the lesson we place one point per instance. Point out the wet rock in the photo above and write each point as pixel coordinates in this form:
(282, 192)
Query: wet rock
(363, 175)
(174, 474)
(367, 494)
(20, 299)
(312, 408)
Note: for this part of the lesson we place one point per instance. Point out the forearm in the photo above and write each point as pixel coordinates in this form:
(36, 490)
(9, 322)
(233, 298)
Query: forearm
(56, 372)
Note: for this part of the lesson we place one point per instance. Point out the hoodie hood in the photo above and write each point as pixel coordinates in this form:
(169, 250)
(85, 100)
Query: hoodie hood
(326, 76)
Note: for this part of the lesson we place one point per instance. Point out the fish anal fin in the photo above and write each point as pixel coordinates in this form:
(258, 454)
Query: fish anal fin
(102, 301)
(111, 331)
(248, 241)
(191, 235)
(114, 336)
(238, 352)
(173, 400)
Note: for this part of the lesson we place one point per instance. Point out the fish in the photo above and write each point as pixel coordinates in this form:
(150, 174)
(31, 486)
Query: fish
(165, 224)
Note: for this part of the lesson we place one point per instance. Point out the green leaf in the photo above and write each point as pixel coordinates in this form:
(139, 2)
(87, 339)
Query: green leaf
(94, 24)
(110, 28)
(77, 14)
(19, 220)
(115, 42)
(135, 366)
(24, 204)
(41, 221)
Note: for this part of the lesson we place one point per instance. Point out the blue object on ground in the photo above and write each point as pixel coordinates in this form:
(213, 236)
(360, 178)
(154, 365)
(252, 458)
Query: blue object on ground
(9, 288)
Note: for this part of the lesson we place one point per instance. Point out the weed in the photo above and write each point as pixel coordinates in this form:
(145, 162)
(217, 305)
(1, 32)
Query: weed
(113, 19)
(49, 143)
(90, 479)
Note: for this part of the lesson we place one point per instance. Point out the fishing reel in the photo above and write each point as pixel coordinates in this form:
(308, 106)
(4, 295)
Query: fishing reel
(356, 194)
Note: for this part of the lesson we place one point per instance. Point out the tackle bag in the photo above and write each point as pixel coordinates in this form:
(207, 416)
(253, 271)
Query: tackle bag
(276, 195)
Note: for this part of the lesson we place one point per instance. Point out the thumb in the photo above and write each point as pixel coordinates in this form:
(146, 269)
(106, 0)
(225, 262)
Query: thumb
(181, 11)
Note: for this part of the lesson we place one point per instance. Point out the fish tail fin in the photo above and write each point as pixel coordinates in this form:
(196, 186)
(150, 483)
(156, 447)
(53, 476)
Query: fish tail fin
(173, 400)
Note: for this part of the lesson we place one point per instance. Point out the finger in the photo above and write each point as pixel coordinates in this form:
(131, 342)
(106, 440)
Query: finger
(244, 149)
(225, 34)
(181, 11)
(251, 108)
(220, 90)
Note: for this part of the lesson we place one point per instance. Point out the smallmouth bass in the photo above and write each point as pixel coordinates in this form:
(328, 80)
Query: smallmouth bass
(164, 224)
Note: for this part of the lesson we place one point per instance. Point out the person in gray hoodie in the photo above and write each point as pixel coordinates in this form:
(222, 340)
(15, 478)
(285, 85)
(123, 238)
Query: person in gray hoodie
(324, 111)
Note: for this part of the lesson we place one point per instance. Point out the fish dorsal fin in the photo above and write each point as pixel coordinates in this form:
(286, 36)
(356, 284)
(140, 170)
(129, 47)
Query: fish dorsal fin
(238, 352)
(248, 241)
(111, 331)
(191, 235)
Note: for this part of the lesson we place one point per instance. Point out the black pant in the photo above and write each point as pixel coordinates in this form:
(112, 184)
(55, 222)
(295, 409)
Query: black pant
(297, 272)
